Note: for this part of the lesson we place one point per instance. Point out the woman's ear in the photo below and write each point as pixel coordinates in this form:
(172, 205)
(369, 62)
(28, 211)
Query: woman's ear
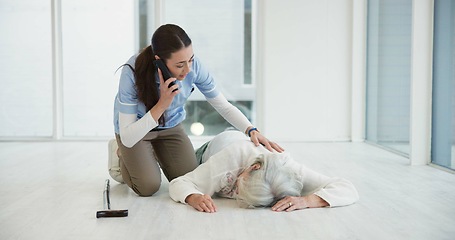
(156, 57)
(256, 166)
(258, 162)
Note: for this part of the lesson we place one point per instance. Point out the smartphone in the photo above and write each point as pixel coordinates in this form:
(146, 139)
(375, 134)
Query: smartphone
(165, 71)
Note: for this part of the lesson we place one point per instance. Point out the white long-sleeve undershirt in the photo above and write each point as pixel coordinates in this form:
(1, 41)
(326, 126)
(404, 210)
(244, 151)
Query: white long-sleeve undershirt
(132, 130)
(229, 112)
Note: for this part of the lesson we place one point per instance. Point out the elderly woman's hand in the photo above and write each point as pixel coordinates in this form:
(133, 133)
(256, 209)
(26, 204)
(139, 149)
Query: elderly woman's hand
(257, 138)
(202, 203)
(295, 203)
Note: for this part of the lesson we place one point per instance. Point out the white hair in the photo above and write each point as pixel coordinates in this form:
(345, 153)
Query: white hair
(268, 184)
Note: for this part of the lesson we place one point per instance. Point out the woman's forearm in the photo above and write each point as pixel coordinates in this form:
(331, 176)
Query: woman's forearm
(295, 203)
(314, 201)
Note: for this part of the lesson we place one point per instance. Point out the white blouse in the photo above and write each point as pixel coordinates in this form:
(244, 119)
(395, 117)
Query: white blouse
(230, 152)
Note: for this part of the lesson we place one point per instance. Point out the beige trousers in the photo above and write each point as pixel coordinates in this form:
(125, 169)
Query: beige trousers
(170, 149)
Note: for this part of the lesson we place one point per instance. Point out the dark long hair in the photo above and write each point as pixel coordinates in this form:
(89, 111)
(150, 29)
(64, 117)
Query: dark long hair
(166, 40)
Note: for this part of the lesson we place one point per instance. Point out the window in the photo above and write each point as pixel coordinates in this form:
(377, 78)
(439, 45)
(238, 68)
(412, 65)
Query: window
(443, 119)
(26, 69)
(388, 73)
(92, 48)
(58, 72)
(58, 66)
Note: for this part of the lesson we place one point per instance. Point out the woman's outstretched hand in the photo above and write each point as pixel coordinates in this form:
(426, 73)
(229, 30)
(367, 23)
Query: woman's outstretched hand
(289, 203)
(202, 203)
(257, 138)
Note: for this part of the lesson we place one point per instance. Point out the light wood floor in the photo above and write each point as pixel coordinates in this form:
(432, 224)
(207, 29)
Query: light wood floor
(52, 190)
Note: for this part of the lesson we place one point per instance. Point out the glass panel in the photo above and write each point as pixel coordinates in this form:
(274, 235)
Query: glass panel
(248, 50)
(219, 44)
(443, 119)
(26, 69)
(201, 119)
(388, 73)
(146, 22)
(97, 38)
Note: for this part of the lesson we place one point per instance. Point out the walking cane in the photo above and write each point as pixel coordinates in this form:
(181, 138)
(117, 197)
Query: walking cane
(107, 212)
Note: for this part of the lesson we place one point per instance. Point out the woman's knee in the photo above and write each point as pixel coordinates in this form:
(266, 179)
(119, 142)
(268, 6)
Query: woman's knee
(146, 189)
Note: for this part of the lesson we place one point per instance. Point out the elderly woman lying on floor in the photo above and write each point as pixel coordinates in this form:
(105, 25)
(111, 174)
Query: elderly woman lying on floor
(233, 167)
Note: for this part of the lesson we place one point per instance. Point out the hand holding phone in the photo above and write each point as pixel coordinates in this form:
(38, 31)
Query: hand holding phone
(165, 71)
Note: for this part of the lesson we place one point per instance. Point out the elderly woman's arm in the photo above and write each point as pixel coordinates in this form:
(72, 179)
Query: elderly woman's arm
(319, 191)
(200, 181)
(295, 203)
(195, 188)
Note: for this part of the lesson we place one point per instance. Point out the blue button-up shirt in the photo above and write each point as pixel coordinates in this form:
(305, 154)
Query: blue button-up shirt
(126, 100)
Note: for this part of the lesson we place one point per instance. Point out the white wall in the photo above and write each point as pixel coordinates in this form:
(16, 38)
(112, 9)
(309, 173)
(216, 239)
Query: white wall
(304, 69)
